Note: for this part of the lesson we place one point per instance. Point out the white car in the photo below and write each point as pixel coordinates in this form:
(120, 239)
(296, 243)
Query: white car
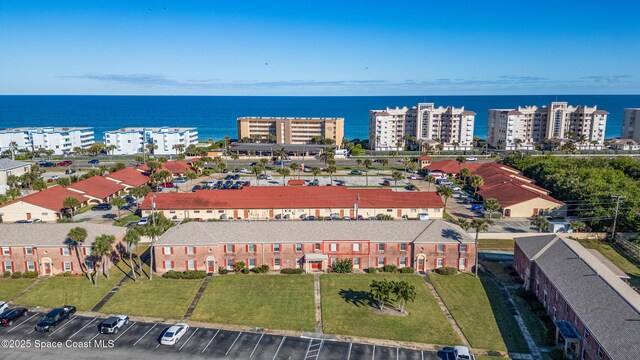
(412, 177)
(471, 159)
(143, 221)
(455, 188)
(211, 183)
(55, 177)
(174, 333)
(244, 170)
(269, 177)
(462, 353)
(3, 306)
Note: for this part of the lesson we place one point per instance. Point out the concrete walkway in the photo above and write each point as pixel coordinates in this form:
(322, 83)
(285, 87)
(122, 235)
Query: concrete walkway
(28, 288)
(318, 304)
(196, 299)
(446, 312)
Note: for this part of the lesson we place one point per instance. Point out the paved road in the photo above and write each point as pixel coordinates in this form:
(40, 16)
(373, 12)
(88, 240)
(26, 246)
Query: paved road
(78, 338)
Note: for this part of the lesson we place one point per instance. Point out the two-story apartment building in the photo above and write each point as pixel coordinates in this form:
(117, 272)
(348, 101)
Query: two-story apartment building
(597, 315)
(10, 167)
(46, 249)
(423, 245)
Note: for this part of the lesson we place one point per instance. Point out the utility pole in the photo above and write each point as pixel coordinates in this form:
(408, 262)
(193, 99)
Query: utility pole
(615, 217)
(153, 240)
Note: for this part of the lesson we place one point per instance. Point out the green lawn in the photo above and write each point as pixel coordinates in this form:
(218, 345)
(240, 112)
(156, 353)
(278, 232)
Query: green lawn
(480, 311)
(161, 298)
(126, 219)
(74, 290)
(347, 310)
(271, 301)
(615, 257)
(10, 288)
(495, 244)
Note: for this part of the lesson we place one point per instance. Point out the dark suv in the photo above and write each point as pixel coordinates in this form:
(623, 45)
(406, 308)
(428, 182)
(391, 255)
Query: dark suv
(102, 207)
(55, 317)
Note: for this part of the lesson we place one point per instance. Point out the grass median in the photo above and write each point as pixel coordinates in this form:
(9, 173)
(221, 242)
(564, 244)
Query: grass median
(347, 310)
(481, 312)
(271, 301)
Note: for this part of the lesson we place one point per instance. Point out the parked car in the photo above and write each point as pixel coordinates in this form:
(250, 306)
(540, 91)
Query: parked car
(55, 317)
(3, 306)
(412, 177)
(471, 158)
(310, 218)
(462, 353)
(69, 171)
(356, 172)
(94, 161)
(47, 164)
(21, 222)
(55, 177)
(113, 324)
(143, 221)
(197, 187)
(334, 216)
(386, 183)
(269, 177)
(34, 221)
(8, 316)
(262, 177)
(65, 163)
(236, 177)
(244, 170)
(455, 188)
(360, 217)
(346, 218)
(179, 180)
(168, 185)
(174, 333)
(477, 207)
(102, 207)
(253, 164)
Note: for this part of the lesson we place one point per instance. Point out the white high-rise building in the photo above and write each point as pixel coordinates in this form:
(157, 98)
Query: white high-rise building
(130, 141)
(421, 126)
(524, 127)
(60, 140)
(631, 124)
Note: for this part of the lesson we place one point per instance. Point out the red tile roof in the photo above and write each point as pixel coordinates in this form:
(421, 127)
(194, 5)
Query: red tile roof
(174, 167)
(51, 198)
(302, 197)
(512, 193)
(424, 157)
(451, 166)
(97, 186)
(129, 176)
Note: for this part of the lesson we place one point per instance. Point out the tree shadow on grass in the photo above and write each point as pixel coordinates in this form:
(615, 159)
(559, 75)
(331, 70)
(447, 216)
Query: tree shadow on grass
(357, 298)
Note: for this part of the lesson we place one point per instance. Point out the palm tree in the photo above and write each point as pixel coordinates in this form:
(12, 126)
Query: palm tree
(284, 172)
(331, 169)
(516, 144)
(179, 148)
(295, 167)
(132, 238)
(70, 203)
(396, 175)
(479, 225)
(13, 180)
(359, 162)
(404, 292)
(111, 148)
(234, 157)
(190, 175)
(151, 148)
(476, 181)
(383, 163)
(491, 205)
(138, 192)
(13, 147)
(446, 192)
(13, 193)
(380, 291)
(118, 202)
(540, 222)
(430, 179)
(154, 166)
(152, 231)
(315, 171)
(102, 247)
(257, 170)
(464, 174)
(367, 164)
(78, 235)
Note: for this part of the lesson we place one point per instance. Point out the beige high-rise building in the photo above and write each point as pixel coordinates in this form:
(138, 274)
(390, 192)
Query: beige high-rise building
(288, 130)
(631, 124)
(429, 125)
(524, 127)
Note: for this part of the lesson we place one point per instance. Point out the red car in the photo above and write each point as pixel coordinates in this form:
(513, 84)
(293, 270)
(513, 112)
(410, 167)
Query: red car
(386, 183)
(167, 185)
(65, 163)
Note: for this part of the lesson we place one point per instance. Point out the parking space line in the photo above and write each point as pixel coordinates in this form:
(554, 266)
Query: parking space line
(279, 346)
(145, 334)
(373, 355)
(255, 347)
(89, 323)
(209, 343)
(234, 342)
(422, 354)
(116, 339)
(397, 353)
(13, 328)
(349, 353)
(67, 323)
(94, 336)
(308, 348)
(185, 343)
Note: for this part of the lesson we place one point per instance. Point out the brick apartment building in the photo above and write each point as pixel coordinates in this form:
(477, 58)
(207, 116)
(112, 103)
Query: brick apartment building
(597, 315)
(423, 245)
(293, 202)
(46, 249)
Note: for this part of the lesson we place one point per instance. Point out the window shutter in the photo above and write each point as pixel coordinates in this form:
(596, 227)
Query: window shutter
(185, 250)
(164, 264)
(24, 251)
(195, 250)
(195, 264)
(26, 267)
(186, 264)
(173, 264)
(71, 265)
(233, 248)
(398, 261)
(60, 251)
(171, 250)
(62, 266)
(247, 248)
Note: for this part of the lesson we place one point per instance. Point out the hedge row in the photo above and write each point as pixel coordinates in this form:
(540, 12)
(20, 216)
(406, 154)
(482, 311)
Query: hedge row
(18, 274)
(189, 274)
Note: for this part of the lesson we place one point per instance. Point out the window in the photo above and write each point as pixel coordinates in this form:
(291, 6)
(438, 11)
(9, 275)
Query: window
(228, 248)
(196, 211)
(463, 248)
(334, 247)
(6, 251)
(439, 262)
(230, 264)
(166, 250)
(67, 266)
(65, 251)
(316, 246)
(380, 247)
(7, 266)
(168, 264)
(403, 261)
(380, 262)
(191, 265)
(276, 262)
(251, 248)
(356, 247)
(298, 247)
(87, 251)
(403, 247)
(333, 261)
(28, 250)
(31, 266)
(252, 263)
(191, 250)
(276, 247)
(356, 261)
(440, 248)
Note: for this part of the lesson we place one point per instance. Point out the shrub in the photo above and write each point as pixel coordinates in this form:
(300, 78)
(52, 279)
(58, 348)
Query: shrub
(261, 269)
(30, 274)
(171, 275)
(390, 268)
(407, 270)
(343, 266)
(6, 274)
(222, 270)
(557, 354)
(290, 271)
(16, 275)
(384, 217)
(65, 274)
(194, 274)
(447, 270)
(245, 271)
(239, 266)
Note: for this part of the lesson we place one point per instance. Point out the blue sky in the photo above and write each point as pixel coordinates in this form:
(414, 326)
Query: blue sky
(320, 47)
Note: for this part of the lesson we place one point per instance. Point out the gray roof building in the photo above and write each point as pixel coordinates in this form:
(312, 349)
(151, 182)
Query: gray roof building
(8, 164)
(54, 234)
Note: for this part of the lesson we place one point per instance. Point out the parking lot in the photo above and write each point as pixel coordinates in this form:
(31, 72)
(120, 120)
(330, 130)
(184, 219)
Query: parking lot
(79, 338)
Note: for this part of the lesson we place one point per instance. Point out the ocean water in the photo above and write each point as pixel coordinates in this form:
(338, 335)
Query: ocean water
(215, 116)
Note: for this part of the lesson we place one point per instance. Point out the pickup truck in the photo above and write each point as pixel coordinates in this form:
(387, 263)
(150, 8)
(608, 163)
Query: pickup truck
(113, 324)
(55, 317)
